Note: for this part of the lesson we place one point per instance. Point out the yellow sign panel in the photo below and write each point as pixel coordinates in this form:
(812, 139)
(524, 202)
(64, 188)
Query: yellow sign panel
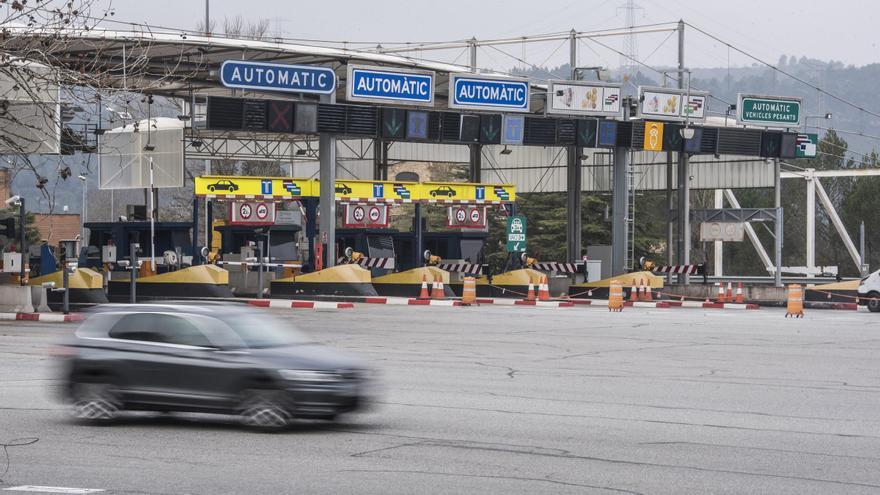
(653, 136)
(268, 187)
(281, 188)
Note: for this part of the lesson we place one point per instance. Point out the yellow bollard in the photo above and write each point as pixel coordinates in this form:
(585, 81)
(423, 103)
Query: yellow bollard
(795, 301)
(469, 291)
(615, 296)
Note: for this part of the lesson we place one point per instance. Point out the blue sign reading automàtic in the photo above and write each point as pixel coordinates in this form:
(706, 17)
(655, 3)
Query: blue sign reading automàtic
(403, 86)
(277, 77)
(466, 91)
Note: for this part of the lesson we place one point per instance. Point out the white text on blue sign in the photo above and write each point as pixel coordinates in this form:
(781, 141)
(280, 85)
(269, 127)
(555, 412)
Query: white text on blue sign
(470, 92)
(394, 86)
(277, 77)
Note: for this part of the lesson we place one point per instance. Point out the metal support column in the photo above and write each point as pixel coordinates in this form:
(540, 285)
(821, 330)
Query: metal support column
(619, 201)
(195, 232)
(670, 208)
(476, 162)
(380, 159)
(683, 244)
(209, 224)
(574, 226)
(684, 221)
(811, 222)
(475, 149)
(327, 160)
(417, 230)
(777, 203)
(22, 242)
(718, 250)
(311, 206)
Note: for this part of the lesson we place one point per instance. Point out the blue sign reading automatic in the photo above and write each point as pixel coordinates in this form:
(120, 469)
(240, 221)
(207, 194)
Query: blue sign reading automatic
(277, 77)
(407, 87)
(473, 92)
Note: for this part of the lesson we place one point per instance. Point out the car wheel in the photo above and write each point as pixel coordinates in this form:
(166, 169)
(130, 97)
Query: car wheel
(433, 194)
(874, 302)
(263, 410)
(95, 402)
(211, 188)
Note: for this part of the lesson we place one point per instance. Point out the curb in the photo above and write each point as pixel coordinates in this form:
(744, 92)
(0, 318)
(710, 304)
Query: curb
(287, 304)
(547, 304)
(45, 317)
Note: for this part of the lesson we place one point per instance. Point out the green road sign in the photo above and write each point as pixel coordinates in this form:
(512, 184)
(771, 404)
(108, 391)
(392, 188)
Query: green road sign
(806, 145)
(770, 111)
(516, 234)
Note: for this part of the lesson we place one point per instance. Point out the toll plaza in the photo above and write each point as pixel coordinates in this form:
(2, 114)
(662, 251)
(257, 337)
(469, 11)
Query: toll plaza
(338, 119)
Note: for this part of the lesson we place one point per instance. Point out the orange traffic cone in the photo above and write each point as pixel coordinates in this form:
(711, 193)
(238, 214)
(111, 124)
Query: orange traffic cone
(437, 289)
(634, 292)
(544, 289)
(649, 296)
(423, 294)
(720, 292)
(739, 293)
(729, 291)
(531, 295)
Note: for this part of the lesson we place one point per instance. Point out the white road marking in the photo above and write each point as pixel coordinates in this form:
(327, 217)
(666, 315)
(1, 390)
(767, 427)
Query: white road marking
(51, 489)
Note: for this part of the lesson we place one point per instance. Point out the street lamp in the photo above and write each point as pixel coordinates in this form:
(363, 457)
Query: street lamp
(827, 116)
(82, 217)
(601, 72)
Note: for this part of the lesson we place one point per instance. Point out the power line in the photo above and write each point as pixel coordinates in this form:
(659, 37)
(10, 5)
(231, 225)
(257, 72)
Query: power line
(786, 73)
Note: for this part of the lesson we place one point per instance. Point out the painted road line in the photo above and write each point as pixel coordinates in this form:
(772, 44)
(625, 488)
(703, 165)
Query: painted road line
(51, 489)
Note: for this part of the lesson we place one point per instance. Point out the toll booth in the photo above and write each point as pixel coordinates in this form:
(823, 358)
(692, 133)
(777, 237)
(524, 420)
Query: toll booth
(282, 241)
(390, 243)
(168, 236)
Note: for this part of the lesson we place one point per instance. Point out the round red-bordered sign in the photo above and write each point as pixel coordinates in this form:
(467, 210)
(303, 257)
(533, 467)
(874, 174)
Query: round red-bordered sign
(461, 215)
(375, 214)
(476, 216)
(262, 211)
(358, 213)
(245, 211)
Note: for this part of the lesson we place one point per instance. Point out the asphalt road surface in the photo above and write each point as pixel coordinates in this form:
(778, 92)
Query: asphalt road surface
(505, 400)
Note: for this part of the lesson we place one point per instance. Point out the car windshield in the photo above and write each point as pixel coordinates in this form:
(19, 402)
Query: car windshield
(260, 330)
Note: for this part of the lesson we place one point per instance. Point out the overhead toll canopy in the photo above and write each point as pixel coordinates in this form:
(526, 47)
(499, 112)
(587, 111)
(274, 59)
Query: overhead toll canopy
(173, 63)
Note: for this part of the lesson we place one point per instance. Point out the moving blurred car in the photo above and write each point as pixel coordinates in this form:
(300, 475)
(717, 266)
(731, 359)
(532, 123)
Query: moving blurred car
(211, 358)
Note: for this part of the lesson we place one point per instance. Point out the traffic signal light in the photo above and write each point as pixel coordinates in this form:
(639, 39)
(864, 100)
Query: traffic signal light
(9, 228)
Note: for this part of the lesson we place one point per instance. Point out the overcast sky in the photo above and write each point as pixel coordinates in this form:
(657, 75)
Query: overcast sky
(843, 30)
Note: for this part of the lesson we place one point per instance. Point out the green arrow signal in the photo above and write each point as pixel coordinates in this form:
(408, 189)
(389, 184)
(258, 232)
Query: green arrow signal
(393, 126)
(491, 132)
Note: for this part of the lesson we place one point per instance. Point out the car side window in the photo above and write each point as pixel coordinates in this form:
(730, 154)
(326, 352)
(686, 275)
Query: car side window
(177, 330)
(135, 327)
(161, 328)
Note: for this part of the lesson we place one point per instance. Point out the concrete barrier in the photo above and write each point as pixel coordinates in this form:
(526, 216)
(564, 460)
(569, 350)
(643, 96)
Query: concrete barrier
(15, 299)
(39, 299)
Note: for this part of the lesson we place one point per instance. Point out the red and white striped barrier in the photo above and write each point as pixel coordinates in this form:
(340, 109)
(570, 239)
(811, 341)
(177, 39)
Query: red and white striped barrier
(44, 317)
(288, 304)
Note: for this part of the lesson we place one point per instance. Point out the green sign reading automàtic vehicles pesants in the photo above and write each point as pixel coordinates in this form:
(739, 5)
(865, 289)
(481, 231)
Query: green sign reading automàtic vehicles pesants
(771, 111)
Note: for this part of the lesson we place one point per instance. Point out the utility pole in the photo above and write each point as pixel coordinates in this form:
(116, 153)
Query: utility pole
(476, 150)
(207, 17)
(575, 222)
(684, 221)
